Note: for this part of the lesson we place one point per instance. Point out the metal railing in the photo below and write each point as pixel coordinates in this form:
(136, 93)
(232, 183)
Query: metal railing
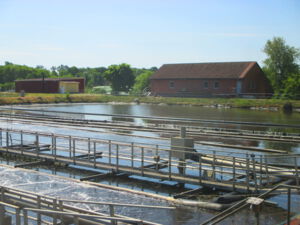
(54, 209)
(251, 173)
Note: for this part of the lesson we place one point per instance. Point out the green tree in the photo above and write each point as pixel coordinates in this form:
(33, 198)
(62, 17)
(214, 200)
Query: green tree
(120, 76)
(11, 72)
(280, 63)
(142, 82)
(63, 70)
(292, 87)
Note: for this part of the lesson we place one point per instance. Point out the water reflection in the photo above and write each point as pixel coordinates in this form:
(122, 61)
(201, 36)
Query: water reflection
(193, 112)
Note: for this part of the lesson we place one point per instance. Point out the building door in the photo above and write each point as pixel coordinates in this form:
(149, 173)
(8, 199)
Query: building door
(238, 87)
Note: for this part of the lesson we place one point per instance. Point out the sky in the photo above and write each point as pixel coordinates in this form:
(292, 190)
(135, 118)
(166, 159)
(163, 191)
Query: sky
(142, 33)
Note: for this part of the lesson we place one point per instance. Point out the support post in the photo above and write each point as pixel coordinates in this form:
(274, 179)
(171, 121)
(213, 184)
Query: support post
(95, 154)
(21, 137)
(170, 164)
(55, 148)
(2, 193)
(7, 141)
(38, 214)
(260, 170)
(25, 215)
(18, 216)
(200, 168)
(267, 170)
(37, 144)
(74, 151)
(142, 160)
(54, 208)
(70, 147)
(52, 144)
(61, 208)
(76, 220)
(214, 165)
(11, 140)
(89, 149)
(254, 171)
(112, 214)
(257, 217)
(247, 172)
(132, 154)
(156, 158)
(1, 137)
(296, 171)
(288, 206)
(117, 158)
(109, 152)
(233, 174)
(2, 214)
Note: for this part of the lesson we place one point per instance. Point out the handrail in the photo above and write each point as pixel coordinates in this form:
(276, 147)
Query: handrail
(136, 159)
(105, 141)
(27, 198)
(80, 215)
(118, 204)
(19, 191)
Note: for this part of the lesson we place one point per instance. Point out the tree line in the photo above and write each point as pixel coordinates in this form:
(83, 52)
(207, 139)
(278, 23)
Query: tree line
(120, 77)
(281, 67)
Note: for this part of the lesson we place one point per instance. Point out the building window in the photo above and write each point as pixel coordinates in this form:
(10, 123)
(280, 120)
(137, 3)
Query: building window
(252, 84)
(205, 84)
(216, 85)
(171, 84)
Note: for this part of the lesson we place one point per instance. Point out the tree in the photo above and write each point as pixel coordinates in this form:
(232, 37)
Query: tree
(11, 72)
(62, 70)
(142, 82)
(281, 62)
(292, 87)
(53, 71)
(120, 76)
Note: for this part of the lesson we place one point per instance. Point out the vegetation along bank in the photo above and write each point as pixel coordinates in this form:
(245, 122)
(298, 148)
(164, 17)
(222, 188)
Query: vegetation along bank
(261, 104)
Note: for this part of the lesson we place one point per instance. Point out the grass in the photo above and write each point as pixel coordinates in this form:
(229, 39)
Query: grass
(13, 98)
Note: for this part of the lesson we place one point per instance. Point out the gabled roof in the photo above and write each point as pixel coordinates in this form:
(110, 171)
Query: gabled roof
(218, 70)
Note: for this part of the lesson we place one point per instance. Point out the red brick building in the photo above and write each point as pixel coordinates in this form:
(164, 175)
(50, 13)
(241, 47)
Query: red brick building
(225, 79)
(48, 85)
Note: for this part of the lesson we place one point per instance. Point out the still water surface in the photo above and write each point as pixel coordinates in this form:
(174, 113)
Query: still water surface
(193, 112)
(203, 113)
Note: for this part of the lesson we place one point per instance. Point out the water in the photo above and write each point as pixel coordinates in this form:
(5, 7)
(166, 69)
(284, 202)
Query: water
(66, 189)
(193, 112)
(72, 190)
(60, 188)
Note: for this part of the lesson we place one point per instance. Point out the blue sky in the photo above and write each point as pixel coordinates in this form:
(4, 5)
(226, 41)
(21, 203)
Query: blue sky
(143, 33)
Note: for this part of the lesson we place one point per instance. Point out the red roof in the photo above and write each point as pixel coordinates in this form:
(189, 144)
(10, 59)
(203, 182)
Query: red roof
(54, 79)
(215, 70)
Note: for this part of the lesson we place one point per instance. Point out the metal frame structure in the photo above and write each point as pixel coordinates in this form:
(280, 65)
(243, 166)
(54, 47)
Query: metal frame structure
(25, 206)
(245, 173)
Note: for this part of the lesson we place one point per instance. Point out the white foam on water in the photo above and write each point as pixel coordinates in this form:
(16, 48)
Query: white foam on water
(66, 189)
